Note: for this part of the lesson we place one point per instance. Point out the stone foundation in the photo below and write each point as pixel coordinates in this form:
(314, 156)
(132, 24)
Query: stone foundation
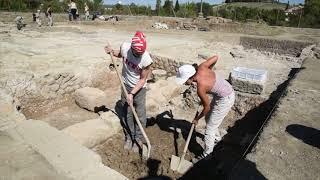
(165, 63)
(285, 47)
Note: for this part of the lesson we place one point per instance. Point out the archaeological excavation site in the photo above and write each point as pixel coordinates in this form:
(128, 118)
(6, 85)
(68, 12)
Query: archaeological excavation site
(61, 110)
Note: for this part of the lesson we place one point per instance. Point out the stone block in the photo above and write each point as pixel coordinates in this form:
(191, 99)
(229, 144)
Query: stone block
(247, 86)
(111, 119)
(10, 116)
(67, 157)
(247, 80)
(90, 98)
(92, 132)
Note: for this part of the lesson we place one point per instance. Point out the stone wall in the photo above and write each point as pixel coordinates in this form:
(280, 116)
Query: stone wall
(283, 47)
(165, 63)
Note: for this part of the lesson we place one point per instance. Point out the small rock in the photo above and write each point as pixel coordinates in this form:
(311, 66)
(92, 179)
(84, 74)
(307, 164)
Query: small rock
(111, 119)
(159, 74)
(158, 25)
(316, 51)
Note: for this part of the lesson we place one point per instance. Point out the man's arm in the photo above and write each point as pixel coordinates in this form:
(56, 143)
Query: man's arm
(202, 93)
(143, 78)
(210, 62)
(116, 53)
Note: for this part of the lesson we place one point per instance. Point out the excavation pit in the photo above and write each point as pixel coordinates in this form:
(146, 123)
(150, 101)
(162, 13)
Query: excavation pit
(45, 90)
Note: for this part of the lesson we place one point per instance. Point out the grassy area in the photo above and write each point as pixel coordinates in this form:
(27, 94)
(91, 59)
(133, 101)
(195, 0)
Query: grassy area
(259, 5)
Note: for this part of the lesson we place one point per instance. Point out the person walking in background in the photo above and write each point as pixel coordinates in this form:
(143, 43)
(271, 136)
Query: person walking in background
(73, 9)
(19, 22)
(38, 20)
(86, 11)
(49, 15)
(69, 12)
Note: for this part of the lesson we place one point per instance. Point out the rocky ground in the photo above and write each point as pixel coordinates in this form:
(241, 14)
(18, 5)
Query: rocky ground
(289, 146)
(42, 67)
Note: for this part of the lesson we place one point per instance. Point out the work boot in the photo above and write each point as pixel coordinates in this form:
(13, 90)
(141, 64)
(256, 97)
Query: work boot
(135, 147)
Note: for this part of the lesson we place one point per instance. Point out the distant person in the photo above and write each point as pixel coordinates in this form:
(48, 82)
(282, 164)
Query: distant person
(38, 20)
(86, 11)
(77, 15)
(34, 16)
(208, 82)
(73, 9)
(69, 12)
(49, 16)
(19, 22)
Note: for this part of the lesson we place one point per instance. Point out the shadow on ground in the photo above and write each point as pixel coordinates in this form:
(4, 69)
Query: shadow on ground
(306, 134)
(178, 127)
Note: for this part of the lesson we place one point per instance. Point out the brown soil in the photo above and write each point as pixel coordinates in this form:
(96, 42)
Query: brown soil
(165, 142)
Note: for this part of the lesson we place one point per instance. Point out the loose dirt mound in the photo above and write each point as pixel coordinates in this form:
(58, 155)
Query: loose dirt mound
(165, 142)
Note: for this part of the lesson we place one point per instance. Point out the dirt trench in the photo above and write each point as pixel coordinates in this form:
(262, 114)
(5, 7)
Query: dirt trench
(242, 123)
(165, 141)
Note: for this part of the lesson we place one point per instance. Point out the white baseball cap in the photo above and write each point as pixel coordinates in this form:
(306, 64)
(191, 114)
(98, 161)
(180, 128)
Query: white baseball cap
(184, 73)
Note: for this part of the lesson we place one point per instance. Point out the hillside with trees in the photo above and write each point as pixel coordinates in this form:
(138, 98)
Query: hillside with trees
(265, 11)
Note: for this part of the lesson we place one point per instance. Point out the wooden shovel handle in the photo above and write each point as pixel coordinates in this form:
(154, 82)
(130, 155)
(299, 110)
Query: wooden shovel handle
(188, 141)
(189, 136)
(132, 108)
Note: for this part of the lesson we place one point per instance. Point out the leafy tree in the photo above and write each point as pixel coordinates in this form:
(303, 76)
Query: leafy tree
(312, 14)
(158, 7)
(133, 8)
(167, 8)
(287, 6)
(177, 6)
(206, 8)
(118, 6)
(97, 4)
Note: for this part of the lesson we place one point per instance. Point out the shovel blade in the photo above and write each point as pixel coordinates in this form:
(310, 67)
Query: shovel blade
(145, 152)
(174, 164)
(184, 166)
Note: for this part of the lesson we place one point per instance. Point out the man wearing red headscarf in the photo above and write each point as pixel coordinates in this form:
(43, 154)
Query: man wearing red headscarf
(136, 68)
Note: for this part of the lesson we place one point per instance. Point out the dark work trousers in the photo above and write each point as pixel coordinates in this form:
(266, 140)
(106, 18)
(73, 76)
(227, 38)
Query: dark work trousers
(131, 128)
(74, 14)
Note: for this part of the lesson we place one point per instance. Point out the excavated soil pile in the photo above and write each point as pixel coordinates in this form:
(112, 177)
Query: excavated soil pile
(165, 142)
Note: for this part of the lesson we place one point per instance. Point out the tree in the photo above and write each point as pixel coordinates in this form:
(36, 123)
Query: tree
(133, 8)
(206, 8)
(287, 6)
(97, 4)
(177, 6)
(118, 6)
(312, 13)
(158, 7)
(167, 7)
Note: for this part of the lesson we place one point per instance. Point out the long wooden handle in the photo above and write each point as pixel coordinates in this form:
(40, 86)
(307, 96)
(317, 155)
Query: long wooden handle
(132, 108)
(189, 136)
(187, 142)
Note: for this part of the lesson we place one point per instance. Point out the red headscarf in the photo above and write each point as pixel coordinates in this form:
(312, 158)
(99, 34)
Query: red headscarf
(139, 43)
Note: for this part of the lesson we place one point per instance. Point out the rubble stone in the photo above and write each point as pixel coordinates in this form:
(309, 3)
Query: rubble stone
(92, 132)
(159, 74)
(160, 26)
(90, 98)
(252, 87)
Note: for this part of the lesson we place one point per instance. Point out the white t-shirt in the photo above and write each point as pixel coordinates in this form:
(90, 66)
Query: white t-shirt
(73, 5)
(132, 66)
